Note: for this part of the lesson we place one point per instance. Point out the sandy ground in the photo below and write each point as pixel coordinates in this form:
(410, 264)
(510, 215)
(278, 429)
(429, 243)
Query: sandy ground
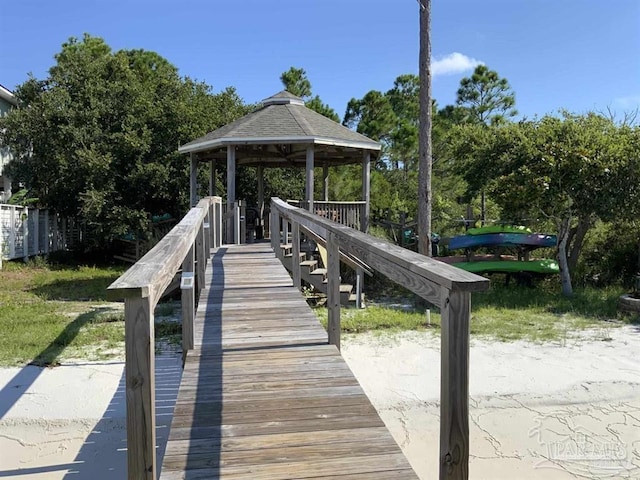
(554, 411)
(69, 422)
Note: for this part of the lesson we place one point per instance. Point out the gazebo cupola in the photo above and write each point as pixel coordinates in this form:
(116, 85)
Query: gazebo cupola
(282, 132)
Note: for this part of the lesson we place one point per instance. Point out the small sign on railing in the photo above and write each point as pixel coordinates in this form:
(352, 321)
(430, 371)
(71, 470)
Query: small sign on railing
(187, 281)
(205, 225)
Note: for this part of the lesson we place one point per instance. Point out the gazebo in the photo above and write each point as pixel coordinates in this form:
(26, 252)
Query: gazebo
(282, 132)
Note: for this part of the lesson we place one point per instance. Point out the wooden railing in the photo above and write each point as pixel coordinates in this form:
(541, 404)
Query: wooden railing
(447, 287)
(344, 213)
(186, 246)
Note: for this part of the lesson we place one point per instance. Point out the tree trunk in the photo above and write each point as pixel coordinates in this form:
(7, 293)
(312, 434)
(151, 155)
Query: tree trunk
(565, 274)
(425, 152)
(575, 242)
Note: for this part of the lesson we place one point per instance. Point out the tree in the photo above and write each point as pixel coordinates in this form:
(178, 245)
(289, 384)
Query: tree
(97, 139)
(569, 171)
(488, 98)
(295, 81)
(425, 152)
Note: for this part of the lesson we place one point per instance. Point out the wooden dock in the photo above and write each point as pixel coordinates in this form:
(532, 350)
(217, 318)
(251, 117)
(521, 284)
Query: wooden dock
(263, 395)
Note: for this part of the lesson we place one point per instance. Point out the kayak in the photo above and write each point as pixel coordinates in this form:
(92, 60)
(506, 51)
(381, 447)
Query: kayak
(505, 239)
(511, 266)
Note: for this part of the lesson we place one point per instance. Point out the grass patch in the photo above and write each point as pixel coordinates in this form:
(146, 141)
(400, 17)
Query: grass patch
(51, 312)
(378, 318)
(507, 313)
(169, 331)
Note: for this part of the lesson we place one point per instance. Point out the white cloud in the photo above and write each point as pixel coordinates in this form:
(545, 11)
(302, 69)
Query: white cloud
(630, 102)
(453, 63)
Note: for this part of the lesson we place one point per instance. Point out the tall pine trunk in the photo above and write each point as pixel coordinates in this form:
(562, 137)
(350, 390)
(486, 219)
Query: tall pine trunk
(424, 135)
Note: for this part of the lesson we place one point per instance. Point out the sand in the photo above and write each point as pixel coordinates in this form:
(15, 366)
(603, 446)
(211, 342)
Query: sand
(561, 410)
(554, 411)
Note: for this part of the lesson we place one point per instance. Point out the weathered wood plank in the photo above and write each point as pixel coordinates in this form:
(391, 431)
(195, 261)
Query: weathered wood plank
(454, 386)
(287, 470)
(333, 290)
(140, 391)
(262, 394)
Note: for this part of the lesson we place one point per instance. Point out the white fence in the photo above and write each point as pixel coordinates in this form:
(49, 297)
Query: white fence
(25, 232)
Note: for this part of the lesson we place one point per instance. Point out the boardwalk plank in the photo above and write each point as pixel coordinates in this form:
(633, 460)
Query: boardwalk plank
(263, 396)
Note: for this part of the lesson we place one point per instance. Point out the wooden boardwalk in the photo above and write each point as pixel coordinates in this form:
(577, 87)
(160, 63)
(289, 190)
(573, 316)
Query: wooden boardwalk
(263, 395)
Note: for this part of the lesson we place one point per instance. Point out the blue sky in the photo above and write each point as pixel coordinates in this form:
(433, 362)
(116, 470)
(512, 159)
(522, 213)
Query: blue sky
(576, 54)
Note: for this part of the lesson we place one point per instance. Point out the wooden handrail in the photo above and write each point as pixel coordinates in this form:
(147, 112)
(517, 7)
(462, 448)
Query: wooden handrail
(185, 246)
(345, 258)
(443, 285)
(403, 266)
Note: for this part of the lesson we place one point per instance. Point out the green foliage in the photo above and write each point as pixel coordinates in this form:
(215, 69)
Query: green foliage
(97, 139)
(566, 171)
(611, 254)
(295, 81)
(487, 98)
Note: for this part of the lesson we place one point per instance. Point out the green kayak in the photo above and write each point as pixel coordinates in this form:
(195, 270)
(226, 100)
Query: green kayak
(548, 266)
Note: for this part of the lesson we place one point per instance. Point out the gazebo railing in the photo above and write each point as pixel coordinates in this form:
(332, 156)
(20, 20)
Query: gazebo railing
(349, 214)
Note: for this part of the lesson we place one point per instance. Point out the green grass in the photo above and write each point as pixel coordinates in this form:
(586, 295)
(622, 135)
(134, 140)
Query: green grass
(51, 313)
(504, 313)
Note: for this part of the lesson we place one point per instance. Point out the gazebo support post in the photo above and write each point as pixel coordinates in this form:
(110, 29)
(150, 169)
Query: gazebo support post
(260, 175)
(193, 184)
(309, 184)
(212, 179)
(325, 176)
(366, 190)
(231, 191)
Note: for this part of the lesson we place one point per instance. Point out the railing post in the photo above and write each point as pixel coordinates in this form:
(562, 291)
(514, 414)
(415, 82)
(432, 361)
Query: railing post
(187, 285)
(455, 311)
(243, 222)
(212, 227)
(140, 388)
(295, 254)
(219, 223)
(359, 286)
(236, 223)
(333, 289)
(274, 230)
(200, 260)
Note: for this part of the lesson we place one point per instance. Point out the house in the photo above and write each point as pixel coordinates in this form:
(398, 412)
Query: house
(7, 102)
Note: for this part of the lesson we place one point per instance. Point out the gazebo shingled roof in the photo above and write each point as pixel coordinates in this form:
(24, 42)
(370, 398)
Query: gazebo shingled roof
(278, 133)
(282, 133)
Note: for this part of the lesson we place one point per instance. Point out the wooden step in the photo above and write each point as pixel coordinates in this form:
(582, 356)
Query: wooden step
(320, 272)
(303, 256)
(311, 264)
(346, 288)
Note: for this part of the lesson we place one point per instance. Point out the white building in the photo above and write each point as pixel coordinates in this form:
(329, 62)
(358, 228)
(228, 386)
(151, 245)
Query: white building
(7, 102)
